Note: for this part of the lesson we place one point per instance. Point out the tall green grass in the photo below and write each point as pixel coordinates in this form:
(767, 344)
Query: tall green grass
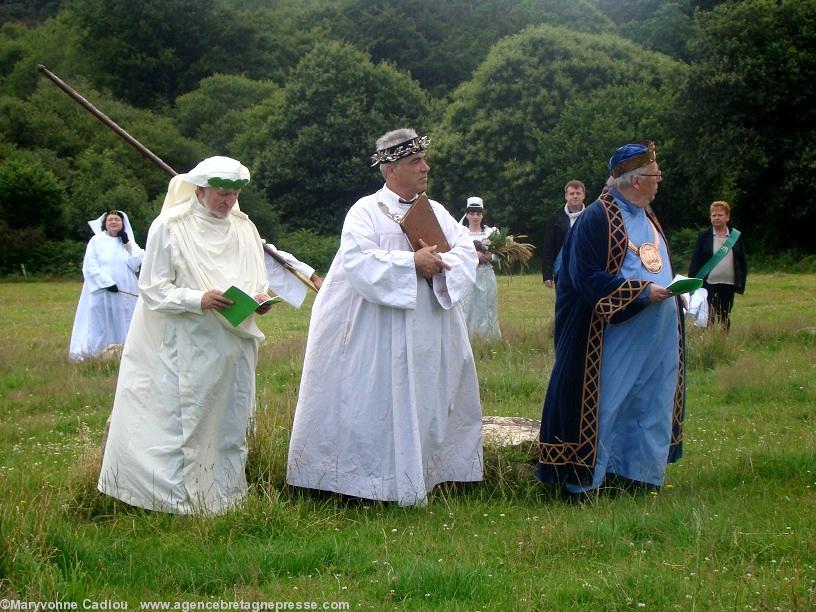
(732, 529)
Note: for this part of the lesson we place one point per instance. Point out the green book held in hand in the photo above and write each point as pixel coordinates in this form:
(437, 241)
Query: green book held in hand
(684, 284)
(243, 305)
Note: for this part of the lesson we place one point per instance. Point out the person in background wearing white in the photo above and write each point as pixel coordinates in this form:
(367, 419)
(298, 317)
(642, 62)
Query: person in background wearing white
(481, 305)
(110, 268)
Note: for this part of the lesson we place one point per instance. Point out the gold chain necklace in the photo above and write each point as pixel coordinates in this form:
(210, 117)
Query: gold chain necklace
(649, 252)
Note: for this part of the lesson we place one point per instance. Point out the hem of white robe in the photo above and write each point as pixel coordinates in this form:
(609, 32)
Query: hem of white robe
(156, 504)
(356, 486)
(84, 355)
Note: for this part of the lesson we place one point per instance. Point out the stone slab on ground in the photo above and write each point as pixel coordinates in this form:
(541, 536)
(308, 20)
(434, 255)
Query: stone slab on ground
(509, 431)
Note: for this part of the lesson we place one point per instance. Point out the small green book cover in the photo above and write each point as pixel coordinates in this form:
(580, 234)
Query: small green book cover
(243, 305)
(684, 284)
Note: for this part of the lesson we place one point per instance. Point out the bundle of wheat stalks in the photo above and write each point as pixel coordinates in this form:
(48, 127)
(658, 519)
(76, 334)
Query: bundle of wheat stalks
(509, 249)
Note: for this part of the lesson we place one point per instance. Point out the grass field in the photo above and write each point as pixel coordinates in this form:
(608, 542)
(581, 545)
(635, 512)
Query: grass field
(733, 529)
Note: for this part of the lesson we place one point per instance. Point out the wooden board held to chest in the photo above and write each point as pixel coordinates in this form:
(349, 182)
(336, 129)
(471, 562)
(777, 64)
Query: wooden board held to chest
(419, 221)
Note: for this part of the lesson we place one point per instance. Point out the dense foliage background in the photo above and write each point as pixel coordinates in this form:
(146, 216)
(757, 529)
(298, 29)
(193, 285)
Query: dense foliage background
(518, 96)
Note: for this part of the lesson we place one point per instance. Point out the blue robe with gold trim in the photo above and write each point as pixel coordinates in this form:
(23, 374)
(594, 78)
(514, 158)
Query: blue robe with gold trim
(616, 397)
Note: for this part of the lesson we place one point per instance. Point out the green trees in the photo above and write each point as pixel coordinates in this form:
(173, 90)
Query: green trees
(214, 112)
(31, 209)
(143, 52)
(99, 184)
(441, 43)
(746, 123)
(28, 11)
(311, 154)
(74, 168)
(545, 107)
(149, 52)
(519, 96)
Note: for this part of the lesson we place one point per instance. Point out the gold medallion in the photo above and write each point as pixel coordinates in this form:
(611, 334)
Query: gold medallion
(649, 252)
(650, 256)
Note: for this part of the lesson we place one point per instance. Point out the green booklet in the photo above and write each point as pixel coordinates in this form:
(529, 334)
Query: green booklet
(243, 305)
(684, 284)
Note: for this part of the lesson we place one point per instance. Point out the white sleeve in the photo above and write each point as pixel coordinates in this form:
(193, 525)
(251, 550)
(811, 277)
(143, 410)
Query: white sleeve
(134, 262)
(157, 278)
(384, 277)
(451, 286)
(282, 281)
(93, 268)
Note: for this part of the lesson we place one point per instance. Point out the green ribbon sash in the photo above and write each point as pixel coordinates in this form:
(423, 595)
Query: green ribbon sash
(733, 236)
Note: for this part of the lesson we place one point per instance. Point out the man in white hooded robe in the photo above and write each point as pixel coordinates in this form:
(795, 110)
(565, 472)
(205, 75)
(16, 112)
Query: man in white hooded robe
(389, 399)
(186, 389)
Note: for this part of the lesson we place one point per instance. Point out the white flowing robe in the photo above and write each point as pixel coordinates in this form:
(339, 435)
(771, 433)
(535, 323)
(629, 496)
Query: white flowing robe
(186, 389)
(389, 399)
(102, 317)
(481, 306)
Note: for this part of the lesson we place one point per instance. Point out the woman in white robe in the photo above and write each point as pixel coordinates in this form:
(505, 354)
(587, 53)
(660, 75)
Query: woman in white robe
(481, 305)
(110, 268)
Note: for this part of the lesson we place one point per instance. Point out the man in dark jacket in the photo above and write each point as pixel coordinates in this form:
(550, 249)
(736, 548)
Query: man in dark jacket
(558, 226)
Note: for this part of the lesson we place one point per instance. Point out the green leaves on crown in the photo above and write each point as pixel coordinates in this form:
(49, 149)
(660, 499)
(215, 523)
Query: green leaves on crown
(223, 183)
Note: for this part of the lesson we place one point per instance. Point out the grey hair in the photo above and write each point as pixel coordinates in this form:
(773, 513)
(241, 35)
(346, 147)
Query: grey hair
(394, 137)
(625, 179)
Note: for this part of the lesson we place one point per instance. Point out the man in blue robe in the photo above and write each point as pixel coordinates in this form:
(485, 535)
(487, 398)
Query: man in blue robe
(614, 407)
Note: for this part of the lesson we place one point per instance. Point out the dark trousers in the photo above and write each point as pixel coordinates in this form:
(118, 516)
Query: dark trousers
(720, 302)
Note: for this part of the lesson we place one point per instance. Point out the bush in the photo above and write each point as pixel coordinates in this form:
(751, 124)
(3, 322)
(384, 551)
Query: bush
(14, 244)
(681, 243)
(311, 248)
(31, 196)
(794, 261)
(56, 258)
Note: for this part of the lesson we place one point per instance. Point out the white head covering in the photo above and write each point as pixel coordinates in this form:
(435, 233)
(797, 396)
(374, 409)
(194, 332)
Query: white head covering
(475, 203)
(96, 224)
(182, 186)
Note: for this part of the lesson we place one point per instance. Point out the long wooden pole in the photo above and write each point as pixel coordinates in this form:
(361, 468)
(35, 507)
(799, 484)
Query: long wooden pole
(143, 150)
(150, 156)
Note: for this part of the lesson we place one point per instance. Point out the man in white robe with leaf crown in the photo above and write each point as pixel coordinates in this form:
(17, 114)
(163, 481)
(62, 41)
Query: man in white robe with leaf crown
(186, 389)
(389, 399)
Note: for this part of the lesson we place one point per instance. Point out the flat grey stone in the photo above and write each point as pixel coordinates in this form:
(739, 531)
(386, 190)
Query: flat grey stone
(509, 431)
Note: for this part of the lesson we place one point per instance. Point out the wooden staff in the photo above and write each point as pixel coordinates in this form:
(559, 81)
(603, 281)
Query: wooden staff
(150, 156)
(143, 150)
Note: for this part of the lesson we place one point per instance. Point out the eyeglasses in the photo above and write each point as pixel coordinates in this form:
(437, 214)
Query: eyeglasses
(658, 175)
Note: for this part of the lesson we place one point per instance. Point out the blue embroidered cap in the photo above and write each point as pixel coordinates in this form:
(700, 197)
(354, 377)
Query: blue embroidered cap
(631, 156)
